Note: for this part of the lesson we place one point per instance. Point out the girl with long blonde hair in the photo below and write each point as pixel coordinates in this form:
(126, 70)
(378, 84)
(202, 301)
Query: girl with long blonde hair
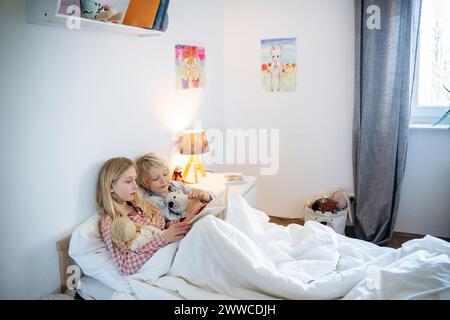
(118, 200)
(156, 183)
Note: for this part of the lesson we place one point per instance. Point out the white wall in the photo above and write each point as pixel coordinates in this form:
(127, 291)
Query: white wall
(315, 122)
(72, 99)
(425, 200)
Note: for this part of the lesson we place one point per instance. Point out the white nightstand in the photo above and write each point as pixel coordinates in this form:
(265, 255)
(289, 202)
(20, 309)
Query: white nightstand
(215, 182)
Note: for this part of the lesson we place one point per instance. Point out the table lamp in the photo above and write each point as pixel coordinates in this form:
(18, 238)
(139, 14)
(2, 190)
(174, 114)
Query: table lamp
(192, 143)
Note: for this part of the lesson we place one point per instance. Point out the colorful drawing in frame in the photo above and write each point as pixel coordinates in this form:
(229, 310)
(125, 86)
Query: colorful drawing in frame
(279, 64)
(190, 67)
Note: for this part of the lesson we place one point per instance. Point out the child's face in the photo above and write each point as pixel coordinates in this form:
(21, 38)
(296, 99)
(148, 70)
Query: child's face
(125, 187)
(159, 181)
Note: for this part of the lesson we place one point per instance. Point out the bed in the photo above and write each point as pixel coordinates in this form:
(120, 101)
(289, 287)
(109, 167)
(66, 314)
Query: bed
(246, 257)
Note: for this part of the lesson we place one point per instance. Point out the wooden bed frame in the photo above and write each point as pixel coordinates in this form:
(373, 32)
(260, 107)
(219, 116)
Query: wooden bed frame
(64, 261)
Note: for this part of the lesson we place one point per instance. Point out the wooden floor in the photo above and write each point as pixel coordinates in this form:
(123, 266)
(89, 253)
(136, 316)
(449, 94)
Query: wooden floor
(396, 242)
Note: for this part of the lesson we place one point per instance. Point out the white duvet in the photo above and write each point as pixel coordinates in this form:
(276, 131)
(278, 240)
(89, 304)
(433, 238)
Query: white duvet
(246, 257)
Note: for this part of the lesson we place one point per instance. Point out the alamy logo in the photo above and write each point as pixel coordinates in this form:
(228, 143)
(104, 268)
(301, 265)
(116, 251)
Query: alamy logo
(242, 146)
(73, 281)
(73, 21)
(374, 20)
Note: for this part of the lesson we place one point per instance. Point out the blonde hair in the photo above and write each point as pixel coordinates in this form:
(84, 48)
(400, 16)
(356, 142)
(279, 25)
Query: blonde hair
(123, 231)
(107, 204)
(145, 164)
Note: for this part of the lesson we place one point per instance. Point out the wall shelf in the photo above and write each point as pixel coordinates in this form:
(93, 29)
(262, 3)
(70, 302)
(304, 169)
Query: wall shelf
(45, 12)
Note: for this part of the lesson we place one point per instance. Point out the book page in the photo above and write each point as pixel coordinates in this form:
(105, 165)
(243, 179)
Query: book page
(206, 212)
(215, 207)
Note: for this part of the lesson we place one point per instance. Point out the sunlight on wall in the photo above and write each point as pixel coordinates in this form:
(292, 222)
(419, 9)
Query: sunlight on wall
(178, 111)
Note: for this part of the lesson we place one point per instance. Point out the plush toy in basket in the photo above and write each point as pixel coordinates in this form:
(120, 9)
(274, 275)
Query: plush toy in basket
(331, 211)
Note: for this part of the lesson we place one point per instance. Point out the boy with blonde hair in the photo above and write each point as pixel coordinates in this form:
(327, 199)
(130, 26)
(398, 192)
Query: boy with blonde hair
(155, 183)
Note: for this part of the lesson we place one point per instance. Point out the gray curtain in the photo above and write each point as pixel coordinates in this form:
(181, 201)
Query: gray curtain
(385, 61)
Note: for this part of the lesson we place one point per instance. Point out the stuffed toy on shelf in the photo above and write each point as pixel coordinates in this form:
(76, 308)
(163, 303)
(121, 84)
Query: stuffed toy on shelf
(95, 10)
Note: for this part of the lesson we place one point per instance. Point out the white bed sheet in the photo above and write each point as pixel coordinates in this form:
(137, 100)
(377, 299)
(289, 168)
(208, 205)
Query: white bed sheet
(92, 289)
(246, 257)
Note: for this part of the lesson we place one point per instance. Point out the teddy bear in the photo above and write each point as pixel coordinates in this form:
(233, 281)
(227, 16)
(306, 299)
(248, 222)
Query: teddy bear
(179, 203)
(91, 9)
(177, 175)
(125, 233)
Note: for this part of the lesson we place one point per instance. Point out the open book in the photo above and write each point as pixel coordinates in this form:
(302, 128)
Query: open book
(215, 207)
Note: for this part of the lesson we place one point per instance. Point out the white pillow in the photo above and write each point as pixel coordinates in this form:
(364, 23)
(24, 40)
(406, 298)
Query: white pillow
(89, 252)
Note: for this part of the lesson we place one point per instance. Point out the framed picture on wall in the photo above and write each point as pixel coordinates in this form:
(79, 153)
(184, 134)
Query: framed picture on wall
(279, 64)
(190, 67)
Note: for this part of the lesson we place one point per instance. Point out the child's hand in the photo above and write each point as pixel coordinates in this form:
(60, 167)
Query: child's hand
(195, 206)
(194, 209)
(176, 231)
(199, 194)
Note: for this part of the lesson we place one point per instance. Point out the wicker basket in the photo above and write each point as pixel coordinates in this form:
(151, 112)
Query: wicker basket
(337, 221)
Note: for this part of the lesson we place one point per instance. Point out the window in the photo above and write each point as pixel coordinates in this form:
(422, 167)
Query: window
(431, 100)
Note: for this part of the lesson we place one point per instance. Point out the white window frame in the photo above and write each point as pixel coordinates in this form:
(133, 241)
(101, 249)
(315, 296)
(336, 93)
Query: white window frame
(428, 115)
(425, 114)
